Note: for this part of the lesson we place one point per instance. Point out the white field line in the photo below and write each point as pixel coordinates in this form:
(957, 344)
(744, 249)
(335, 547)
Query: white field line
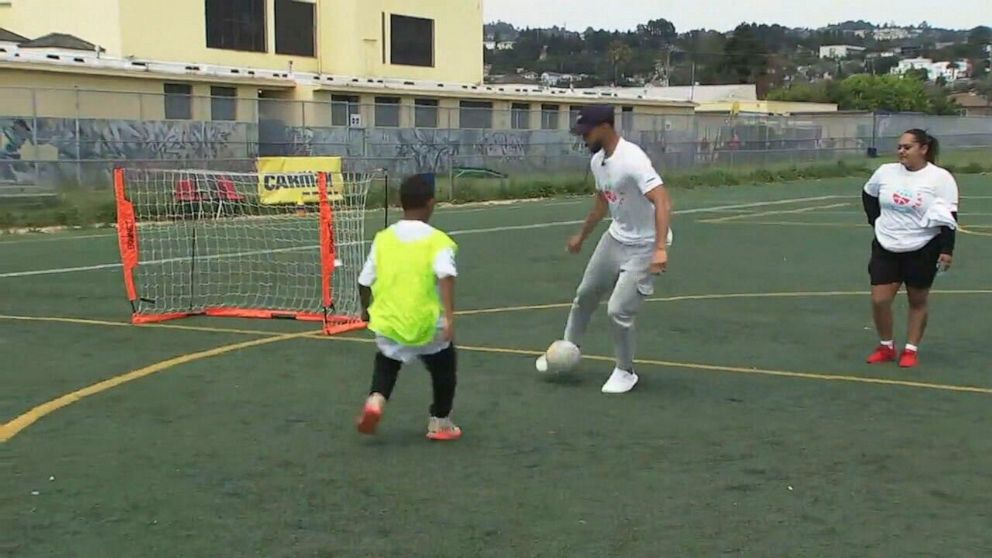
(60, 235)
(60, 238)
(463, 232)
(769, 213)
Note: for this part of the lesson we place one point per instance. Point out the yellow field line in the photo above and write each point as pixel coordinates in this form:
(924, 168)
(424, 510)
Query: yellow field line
(55, 319)
(776, 212)
(718, 368)
(83, 321)
(973, 233)
(10, 429)
(757, 371)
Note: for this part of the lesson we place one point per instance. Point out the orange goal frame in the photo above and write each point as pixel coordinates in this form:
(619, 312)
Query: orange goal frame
(129, 239)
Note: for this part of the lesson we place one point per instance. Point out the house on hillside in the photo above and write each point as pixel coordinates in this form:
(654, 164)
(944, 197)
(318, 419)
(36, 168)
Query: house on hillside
(498, 45)
(891, 34)
(838, 52)
(973, 104)
(948, 70)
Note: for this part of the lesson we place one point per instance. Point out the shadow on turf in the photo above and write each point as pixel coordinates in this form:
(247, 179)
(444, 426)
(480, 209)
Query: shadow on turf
(571, 379)
(667, 385)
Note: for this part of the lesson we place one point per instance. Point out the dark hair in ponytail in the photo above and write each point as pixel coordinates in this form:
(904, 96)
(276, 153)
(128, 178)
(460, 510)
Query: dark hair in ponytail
(931, 143)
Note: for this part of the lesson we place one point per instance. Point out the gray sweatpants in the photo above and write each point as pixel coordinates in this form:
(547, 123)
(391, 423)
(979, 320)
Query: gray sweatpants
(624, 270)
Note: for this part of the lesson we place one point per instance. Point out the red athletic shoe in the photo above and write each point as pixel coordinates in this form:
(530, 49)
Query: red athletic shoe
(370, 417)
(442, 429)
(908, 359)
(882, 354)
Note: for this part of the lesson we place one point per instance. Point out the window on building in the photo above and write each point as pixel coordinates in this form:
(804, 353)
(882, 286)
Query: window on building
(520, 116)
(573, 115)
(387, 112)
(425, 113)
(342, 107)
(627, 119)
(549, 117)
(476, 114)
(223, 103)
(411, 41)
(178, 101)
(295, 27)
(236, 24)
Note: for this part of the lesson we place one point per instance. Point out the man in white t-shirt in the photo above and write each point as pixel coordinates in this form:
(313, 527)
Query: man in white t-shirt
(634, 249)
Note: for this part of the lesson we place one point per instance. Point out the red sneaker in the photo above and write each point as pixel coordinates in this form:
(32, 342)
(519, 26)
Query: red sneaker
(908, 359)
(882, 354)
(442, 429)
(370, 417)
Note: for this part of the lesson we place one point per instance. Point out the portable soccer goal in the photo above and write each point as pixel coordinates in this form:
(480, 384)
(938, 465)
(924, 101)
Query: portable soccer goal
(244, 245)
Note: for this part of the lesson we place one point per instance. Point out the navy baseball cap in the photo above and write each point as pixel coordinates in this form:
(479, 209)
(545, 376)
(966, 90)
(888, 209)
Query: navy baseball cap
(592, 116)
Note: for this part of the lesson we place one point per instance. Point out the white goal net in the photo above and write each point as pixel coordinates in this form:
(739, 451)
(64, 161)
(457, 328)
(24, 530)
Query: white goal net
(284, 245)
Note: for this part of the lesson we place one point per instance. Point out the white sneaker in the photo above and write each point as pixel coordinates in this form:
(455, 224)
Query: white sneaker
(541, 364)
(620, 381)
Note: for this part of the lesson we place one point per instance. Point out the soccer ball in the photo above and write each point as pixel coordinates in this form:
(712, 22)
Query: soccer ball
(561, 356)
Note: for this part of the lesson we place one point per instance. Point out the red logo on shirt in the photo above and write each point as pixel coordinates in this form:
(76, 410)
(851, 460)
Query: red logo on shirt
(611, 196)
(906, 198)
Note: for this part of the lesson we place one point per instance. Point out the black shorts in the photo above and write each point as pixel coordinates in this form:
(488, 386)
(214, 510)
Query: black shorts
(916, 269)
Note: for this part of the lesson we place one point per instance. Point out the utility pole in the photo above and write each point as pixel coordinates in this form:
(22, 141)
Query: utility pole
(668, 65)
(692, 82)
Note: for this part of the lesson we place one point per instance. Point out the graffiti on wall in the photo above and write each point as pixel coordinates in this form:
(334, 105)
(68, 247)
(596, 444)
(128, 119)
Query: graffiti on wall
(15, 135)
(55, 151)
(43, 149)
(423, 149)
(503, 144)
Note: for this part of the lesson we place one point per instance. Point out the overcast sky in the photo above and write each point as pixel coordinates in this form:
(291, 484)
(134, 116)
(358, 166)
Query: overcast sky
(724, 15)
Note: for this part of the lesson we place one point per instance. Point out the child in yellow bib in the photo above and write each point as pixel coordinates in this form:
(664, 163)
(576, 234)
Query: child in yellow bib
(407, 289)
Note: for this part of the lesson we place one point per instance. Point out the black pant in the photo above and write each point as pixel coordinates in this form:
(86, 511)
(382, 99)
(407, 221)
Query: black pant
(442, 367)
(917, 269)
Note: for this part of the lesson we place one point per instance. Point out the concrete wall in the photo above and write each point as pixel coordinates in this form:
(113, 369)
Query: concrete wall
(66, 150)
(51, 133)
(53, 94)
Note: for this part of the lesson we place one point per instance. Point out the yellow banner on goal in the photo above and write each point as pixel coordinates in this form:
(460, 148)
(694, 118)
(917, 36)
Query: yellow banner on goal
(293, 180)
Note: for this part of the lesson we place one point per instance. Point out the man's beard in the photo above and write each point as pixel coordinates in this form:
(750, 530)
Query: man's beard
(594, 147)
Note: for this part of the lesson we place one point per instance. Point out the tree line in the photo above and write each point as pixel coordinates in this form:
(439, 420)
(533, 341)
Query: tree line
(783, 62)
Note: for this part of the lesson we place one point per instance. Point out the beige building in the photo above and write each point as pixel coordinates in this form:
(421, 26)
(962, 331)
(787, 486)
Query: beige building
(353, 63)
(438, 40)
(765, 107)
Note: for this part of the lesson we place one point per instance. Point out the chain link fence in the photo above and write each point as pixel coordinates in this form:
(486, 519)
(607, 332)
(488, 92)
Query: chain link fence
(54, 138)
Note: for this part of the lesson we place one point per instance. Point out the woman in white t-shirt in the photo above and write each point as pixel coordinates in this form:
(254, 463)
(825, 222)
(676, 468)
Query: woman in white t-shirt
(913, 207)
